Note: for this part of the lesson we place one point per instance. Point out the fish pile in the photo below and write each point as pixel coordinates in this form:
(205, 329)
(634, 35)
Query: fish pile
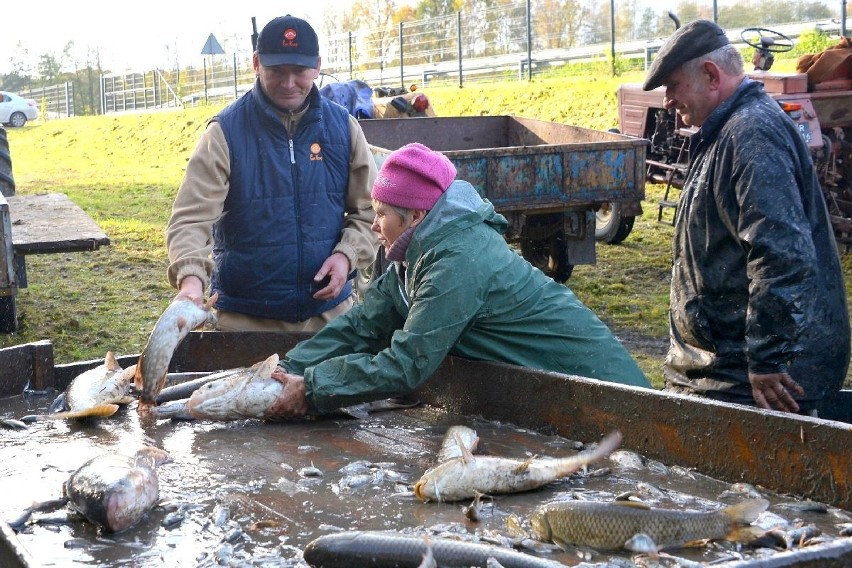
(179, 318)
(611, 525)
(468, 475)
(115, 491)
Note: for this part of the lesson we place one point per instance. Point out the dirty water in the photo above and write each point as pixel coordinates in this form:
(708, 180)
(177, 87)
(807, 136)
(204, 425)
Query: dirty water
(248, 493)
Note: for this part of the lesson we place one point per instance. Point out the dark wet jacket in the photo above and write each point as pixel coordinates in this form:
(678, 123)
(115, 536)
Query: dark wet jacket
(283, 217)
(756, 280)
(464, 292)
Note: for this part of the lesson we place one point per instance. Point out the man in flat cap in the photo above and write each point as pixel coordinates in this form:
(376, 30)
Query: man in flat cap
(758, 309)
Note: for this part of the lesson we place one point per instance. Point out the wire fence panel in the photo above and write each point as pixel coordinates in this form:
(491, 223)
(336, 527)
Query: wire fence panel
(506, 40)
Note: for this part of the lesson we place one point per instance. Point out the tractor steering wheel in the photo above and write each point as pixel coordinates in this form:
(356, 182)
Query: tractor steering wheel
(767, 40)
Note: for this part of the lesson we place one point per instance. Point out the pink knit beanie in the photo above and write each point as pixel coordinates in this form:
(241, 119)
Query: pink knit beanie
(413, 177)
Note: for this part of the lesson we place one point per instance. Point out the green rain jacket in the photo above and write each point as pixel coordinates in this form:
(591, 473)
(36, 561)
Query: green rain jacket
(464, 292)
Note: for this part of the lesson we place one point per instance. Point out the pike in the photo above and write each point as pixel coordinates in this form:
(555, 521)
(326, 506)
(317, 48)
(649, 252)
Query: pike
(97, 392)
(179, 318)
(610, 525)
(357, 549)
(463, 477)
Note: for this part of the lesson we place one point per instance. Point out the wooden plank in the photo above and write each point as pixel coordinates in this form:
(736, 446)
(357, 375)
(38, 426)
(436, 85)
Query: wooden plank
(7, 265)
(52, 223)
(30, 365)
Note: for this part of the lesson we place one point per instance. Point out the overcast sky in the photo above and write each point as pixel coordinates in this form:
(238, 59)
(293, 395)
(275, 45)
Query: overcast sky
(157, 34)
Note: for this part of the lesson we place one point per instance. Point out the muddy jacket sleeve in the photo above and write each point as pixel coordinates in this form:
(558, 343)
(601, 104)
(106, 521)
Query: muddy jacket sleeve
(357, 241)
(199, 204)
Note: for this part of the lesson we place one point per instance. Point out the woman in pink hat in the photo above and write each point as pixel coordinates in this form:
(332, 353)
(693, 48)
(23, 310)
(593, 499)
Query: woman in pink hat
(454, 288)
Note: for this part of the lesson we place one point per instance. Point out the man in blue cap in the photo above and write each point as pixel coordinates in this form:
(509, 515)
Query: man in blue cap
(758, 304)
(274, 210)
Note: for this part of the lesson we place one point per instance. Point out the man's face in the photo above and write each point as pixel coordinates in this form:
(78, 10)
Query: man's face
(690, 93)
(287, 86)
(388, 223)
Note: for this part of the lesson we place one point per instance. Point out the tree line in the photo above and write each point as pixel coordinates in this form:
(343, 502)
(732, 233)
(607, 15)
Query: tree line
(492, 27)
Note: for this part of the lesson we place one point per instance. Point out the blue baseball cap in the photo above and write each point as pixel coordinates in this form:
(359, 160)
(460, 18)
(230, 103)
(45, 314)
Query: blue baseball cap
(288, 40)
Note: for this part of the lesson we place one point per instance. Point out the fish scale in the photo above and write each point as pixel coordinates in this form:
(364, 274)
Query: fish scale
(609, 525)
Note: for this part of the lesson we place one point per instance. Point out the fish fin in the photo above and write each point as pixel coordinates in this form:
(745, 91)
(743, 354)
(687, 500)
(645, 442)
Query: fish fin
(138, 379)
(564, 545)
(99, 411)
(634, 504)
(608, 443)
(745, 535)
(745, 512)
(265, 368)
(211, 301)
(525, 465)
(355, 411)
(110, 362)
(181, 323)
(466, 454)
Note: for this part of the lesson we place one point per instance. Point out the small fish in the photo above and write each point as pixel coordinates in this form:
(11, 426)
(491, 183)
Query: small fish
(94, 393)
(609, 525)
(456, 437)
(115, 491)
(358, 549)
(178, 319)
(462, 477)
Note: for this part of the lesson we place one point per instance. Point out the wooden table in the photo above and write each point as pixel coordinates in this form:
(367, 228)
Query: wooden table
(38, 224)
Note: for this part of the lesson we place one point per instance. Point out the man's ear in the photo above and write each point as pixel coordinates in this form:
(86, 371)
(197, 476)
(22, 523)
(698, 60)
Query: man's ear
(714, 74)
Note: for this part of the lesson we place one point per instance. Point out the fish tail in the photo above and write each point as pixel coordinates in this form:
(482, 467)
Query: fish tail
(745, 512)
(740, 516)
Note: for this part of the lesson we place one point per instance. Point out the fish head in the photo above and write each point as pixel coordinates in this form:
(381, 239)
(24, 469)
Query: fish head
(540, 525)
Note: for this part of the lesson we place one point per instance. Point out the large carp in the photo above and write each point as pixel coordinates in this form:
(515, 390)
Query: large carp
(179, 318)
(93, 393)
(455, 438)
(115, 491)
(609, 525)
(463, 477)
(358, 549)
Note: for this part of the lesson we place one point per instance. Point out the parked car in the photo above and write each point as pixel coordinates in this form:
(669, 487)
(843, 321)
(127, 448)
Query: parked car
(15, 110)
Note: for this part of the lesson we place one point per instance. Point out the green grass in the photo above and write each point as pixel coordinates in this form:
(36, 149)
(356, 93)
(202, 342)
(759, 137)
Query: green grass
(124, 171)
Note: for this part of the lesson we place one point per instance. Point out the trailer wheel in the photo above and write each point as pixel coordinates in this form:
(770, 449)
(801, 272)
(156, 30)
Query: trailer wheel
(543, 246)
(610, 226)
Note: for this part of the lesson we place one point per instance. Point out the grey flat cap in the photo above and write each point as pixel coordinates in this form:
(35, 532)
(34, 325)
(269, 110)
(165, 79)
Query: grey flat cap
(692, 40)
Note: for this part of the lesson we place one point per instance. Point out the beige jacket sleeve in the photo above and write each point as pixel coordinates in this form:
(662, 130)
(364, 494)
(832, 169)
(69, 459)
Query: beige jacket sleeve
(199, 204)
(357, 241)
(201, 197)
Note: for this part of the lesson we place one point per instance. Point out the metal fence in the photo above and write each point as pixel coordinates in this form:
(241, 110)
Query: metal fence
(514, 41)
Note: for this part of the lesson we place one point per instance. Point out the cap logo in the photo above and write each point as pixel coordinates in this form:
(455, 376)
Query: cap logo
(290, 38)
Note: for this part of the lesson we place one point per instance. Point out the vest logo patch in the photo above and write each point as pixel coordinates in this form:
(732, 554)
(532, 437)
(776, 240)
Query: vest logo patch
(316, 152)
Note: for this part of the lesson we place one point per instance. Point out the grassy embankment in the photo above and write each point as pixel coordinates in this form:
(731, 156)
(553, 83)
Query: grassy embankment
(124, 171)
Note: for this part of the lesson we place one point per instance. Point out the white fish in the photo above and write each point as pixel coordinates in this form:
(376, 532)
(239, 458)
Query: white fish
(462, 477)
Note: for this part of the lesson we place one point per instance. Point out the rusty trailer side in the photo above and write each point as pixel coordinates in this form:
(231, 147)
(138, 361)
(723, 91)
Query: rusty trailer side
(787, 454)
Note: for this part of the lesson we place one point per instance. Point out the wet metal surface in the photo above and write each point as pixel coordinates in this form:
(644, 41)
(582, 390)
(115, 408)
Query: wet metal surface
(254, 494)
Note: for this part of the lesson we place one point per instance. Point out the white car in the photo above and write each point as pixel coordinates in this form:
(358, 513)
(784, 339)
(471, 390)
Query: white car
(15, 110)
